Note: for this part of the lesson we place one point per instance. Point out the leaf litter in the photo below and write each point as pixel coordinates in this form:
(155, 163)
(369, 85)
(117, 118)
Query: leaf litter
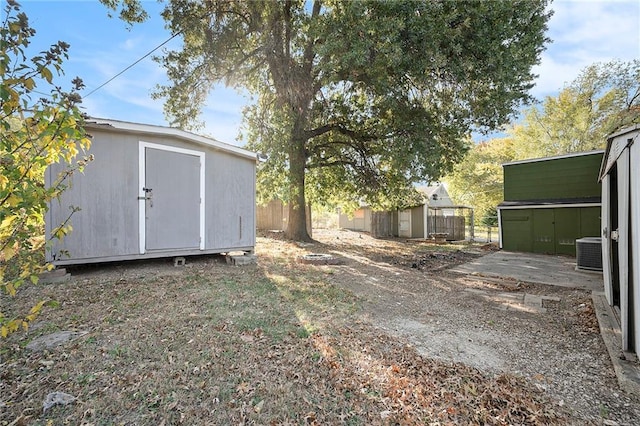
(209, 343)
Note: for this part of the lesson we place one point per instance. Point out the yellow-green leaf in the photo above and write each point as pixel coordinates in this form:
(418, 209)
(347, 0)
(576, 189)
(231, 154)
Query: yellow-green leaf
(46, 74)
(7, 222)
(8, 252)
(29, 84)
(13, 200)
(38, 307)
(10, 289)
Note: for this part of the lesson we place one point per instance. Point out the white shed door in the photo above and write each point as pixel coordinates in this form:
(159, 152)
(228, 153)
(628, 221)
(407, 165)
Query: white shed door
(172, 205)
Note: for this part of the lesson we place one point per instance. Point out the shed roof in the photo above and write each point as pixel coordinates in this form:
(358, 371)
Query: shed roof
(428, 190)
(613, 152)
(555, 157)
(150, 129)
(550, 203)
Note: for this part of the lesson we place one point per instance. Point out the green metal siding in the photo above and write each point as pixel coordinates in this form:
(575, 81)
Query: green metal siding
(543, 231)
(567, 227)
(590, 221)
(517, 230)
(572, 177)
(548, 230)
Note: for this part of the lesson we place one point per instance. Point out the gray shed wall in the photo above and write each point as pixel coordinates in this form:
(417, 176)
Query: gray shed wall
(107, 227)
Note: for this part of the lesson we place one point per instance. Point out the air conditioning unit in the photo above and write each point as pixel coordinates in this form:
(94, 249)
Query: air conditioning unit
(589, 254)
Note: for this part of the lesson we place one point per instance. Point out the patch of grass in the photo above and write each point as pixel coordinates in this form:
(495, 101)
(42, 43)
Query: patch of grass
(118, 351)
(302, 333)
(207, 344)
(85, 379)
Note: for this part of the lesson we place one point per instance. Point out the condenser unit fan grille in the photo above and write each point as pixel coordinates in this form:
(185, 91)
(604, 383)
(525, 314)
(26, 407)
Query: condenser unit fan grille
(589, 253)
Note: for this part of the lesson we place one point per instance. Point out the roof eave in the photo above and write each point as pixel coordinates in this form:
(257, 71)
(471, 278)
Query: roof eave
(149, 129)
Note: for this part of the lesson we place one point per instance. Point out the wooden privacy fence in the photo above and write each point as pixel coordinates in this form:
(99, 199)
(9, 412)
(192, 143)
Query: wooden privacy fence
(271, 216)
(453, 226)
(382, 224)
(274, 216)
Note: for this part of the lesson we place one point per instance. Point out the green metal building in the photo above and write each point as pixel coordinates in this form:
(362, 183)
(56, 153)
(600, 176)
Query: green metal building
(551, 202)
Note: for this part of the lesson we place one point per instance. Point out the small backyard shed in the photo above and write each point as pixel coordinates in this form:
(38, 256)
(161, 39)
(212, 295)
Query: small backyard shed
(620, 177)
(155, 191)
(437, 214)
(360, 220)
(550, 202)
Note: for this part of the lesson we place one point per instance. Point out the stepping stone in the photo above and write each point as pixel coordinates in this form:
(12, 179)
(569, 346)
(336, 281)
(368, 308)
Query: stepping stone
(57, 398)
(49, 341)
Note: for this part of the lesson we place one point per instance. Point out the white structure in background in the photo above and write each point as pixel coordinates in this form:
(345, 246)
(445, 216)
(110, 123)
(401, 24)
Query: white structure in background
(436, 215)
(620, 176)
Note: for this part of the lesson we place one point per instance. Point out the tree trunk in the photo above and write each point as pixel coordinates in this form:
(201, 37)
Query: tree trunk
(297, 227)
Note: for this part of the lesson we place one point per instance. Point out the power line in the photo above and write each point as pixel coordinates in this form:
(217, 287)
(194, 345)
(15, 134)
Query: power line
(132, 65)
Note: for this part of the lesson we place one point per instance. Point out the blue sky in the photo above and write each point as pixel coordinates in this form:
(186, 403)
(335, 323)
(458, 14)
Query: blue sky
(583, 32)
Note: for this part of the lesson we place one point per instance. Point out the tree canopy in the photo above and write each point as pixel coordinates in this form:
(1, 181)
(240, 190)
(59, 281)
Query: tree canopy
(477, 180)
(35, 132)
(604, 98)
(355, 99)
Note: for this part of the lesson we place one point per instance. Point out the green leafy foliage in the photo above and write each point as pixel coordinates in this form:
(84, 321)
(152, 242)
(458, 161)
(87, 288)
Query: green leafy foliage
(355, 99)
(605, 97)
(477, 180)
(34, 133)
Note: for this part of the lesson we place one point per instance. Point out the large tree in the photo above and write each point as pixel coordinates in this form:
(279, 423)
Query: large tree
(605, 97)
(362, 97)
(477, 180)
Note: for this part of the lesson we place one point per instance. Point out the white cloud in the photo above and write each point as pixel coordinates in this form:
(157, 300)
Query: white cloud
(583, 33)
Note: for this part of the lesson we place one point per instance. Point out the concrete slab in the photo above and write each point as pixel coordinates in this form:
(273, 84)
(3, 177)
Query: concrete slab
(530, 267)
(560, 271)
(241, 260)
(54, 276)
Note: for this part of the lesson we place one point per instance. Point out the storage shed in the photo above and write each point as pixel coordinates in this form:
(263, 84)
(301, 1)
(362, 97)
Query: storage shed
(550, 202)
(360, 220)
(155, 191)
(620, 177)
(437, 215)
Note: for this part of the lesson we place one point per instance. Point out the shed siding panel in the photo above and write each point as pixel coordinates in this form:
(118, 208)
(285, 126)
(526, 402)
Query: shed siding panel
(417, 222)
(107, 193)
(567, 230)
(634, 236)
(230, 199)
(517, 230)
(543, 231)
(590, 221)
(575, 177)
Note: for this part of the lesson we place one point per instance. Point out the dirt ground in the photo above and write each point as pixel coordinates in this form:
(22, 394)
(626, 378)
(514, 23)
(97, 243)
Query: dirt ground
(383, 334)
(473, 320)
